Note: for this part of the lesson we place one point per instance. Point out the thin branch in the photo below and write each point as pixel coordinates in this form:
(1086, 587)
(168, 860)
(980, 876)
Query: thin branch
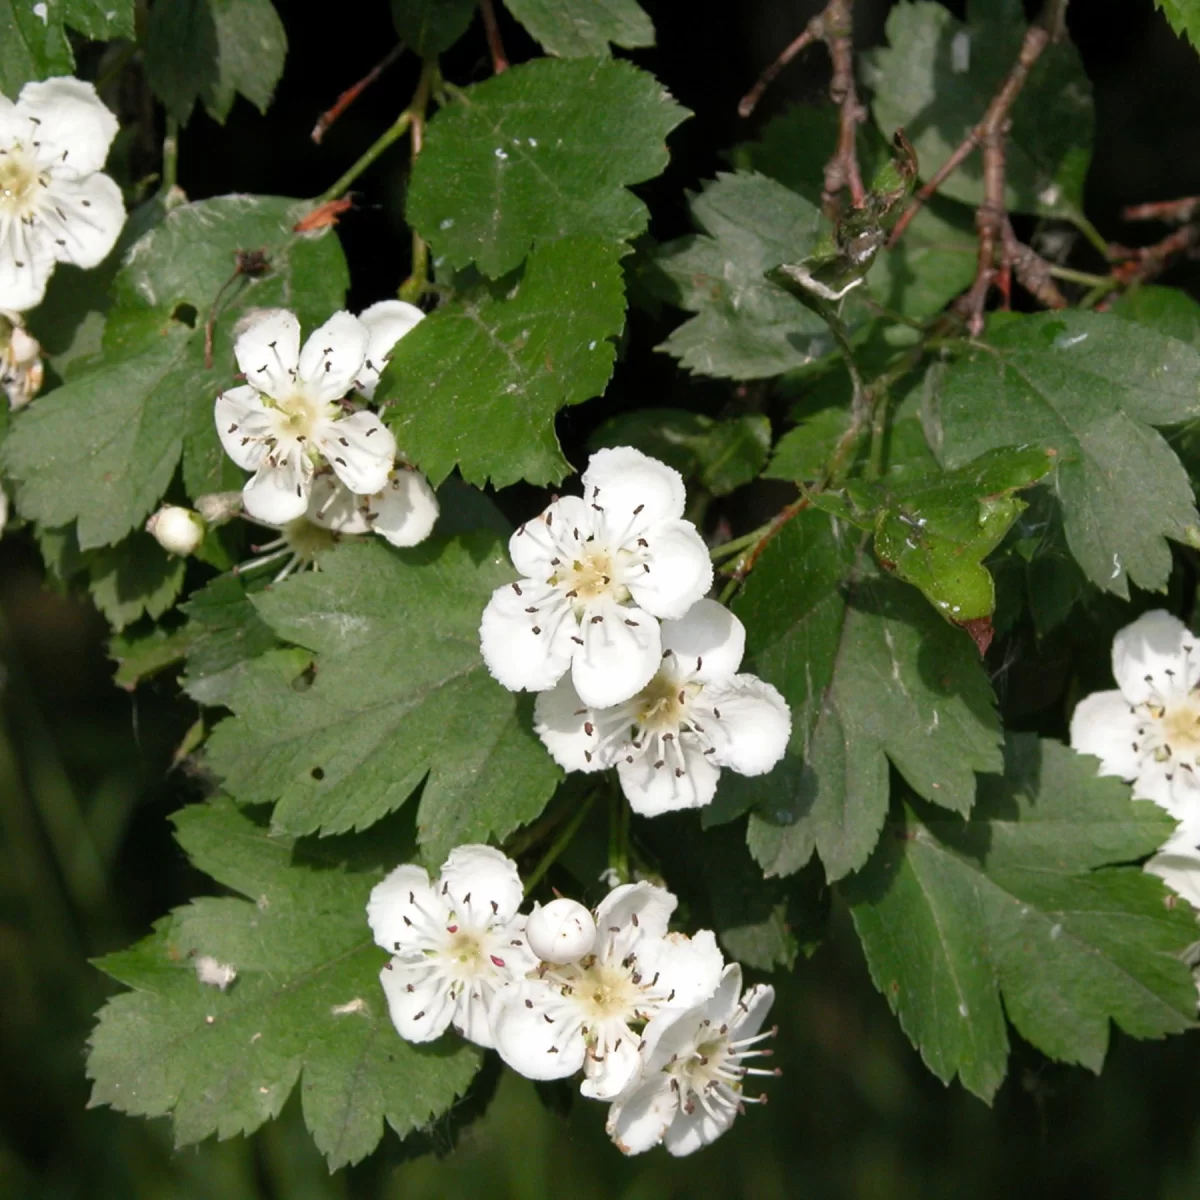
(500, 62)
(1172, 211)
(348, 97)
(812, 32)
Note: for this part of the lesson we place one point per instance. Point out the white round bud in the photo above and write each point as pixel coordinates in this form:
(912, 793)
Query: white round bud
(177, 530)
(561, 931)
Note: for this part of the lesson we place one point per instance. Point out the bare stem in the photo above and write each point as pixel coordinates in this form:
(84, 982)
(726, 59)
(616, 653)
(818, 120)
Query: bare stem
(348, 97)
(561, 842)
(500, 62)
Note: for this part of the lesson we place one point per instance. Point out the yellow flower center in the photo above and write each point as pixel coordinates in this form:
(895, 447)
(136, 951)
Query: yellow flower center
(607, 990)
(19, 183)
(1180, 724)
(662, 703)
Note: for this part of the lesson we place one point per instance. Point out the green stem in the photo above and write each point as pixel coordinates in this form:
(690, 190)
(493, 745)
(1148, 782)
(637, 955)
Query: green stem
(1090, 232)
(120, 59)
(170, 156)
(842, 336)
(739, 543)
(1070, 275)
(618, 834)
(397, 131)
(561, 842)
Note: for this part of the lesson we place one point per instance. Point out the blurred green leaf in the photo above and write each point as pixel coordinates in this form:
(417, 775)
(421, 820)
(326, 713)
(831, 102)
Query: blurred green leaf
(305, 1003)
(546, 150)
(1019, 905)
(399, 695)
(1087, 386)
(582, 28)
(212, 50)
(34, 43)
(721, 455)
(1184, 17)
(476, 385)
(746, 326)
(936, 77)
(142, 655)
(429, 27)
(1168, 310)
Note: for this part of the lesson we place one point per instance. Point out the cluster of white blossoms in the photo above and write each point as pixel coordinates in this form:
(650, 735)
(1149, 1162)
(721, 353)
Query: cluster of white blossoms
(321, 459)
(636, 669)
(1147, 732)
(656, 1021)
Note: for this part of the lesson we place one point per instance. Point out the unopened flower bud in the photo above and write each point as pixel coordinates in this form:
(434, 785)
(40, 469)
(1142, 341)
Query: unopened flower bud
(218, 507)
(21, 371)
(177, 530)
(561, 931)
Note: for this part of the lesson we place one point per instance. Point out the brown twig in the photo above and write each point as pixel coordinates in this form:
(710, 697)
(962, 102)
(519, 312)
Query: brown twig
(492, 30)
(833, 25)
(348, 97)
(1142, 263)
(1048, 28)
(1171, 211)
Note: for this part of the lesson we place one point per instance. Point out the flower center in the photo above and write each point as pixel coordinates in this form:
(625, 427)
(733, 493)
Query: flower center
(19, 183)
(606, 991)
(1180, 725)
(467, 954)
(663, 703)
(589, 577)
(298, 416)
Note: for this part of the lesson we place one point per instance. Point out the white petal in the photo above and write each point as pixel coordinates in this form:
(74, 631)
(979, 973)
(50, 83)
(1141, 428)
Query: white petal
(471, 1018)
(620, 654)
(756, 1004)
(70, 117)
(1105, 725)
(637, 1121)
(1180, 872)
(387, 322)
(422, 1014)
(268, 351)
(618, 1069)
(526, 1041)
(332, 505)
(653, 791)
(680, 571)
(389, 901)
(532, 546)
(1157, 782)
(561, 720)
(332, 359)
(690, 967)
(752, 731)
(26, 264)
(406, 510)
(651, 905)
(633, 490)
(279, 494)
(242, 420)
(485, 875)
(518, 658)
(360, 448)
(689, 1133)
(708, 635)
(85, 217)
(1152, 644)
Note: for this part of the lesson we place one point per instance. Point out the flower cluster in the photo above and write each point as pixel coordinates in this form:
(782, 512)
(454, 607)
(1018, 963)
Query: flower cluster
(635, 668)
(656, 1021)
(1147, 732)
(318, 458)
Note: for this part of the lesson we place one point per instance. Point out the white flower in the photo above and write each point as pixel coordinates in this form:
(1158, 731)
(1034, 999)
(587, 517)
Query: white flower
(403, 512)
(455, 942)
(55, 205)
(561, 931)
(692, 1086)
(21, 370)
(286, 420)
(177, 530)
(387, 322)
(597, 573)
(582, 1014)
(1147, 732)
(694, 717)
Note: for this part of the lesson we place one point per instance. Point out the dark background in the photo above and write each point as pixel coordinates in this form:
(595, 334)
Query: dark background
(86, 783)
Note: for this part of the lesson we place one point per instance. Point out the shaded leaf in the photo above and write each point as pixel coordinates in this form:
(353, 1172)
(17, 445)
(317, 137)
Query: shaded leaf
(428, 27)
(34, 43)
(583, 28)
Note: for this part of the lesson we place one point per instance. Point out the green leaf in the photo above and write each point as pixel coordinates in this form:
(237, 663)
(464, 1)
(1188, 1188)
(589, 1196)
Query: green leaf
(428, 27)
(306, 1004)
(1087, 386)
(803, 453)
(119, 425)
(135, 578)
(1168, 310)
(546, 150)
(211, 50)
(937, 76)
(583, 28)
(1019, 905)
(746, 326)
(721, 455)
(476, 385)
(1183, 16)
(399, 695)
(144, 655)
(872, 676)
(33, 39)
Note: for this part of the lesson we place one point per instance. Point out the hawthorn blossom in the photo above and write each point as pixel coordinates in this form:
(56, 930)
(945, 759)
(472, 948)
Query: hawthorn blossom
(1147, 732)
(454, 941)
(585, 1014)
(177, 530)
(286, 420)
(561, 931)
(697, 715)
(691, 1088)
(387, 322)
(597, 575)
(403, 512)
(55, 204)
(21, 370)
